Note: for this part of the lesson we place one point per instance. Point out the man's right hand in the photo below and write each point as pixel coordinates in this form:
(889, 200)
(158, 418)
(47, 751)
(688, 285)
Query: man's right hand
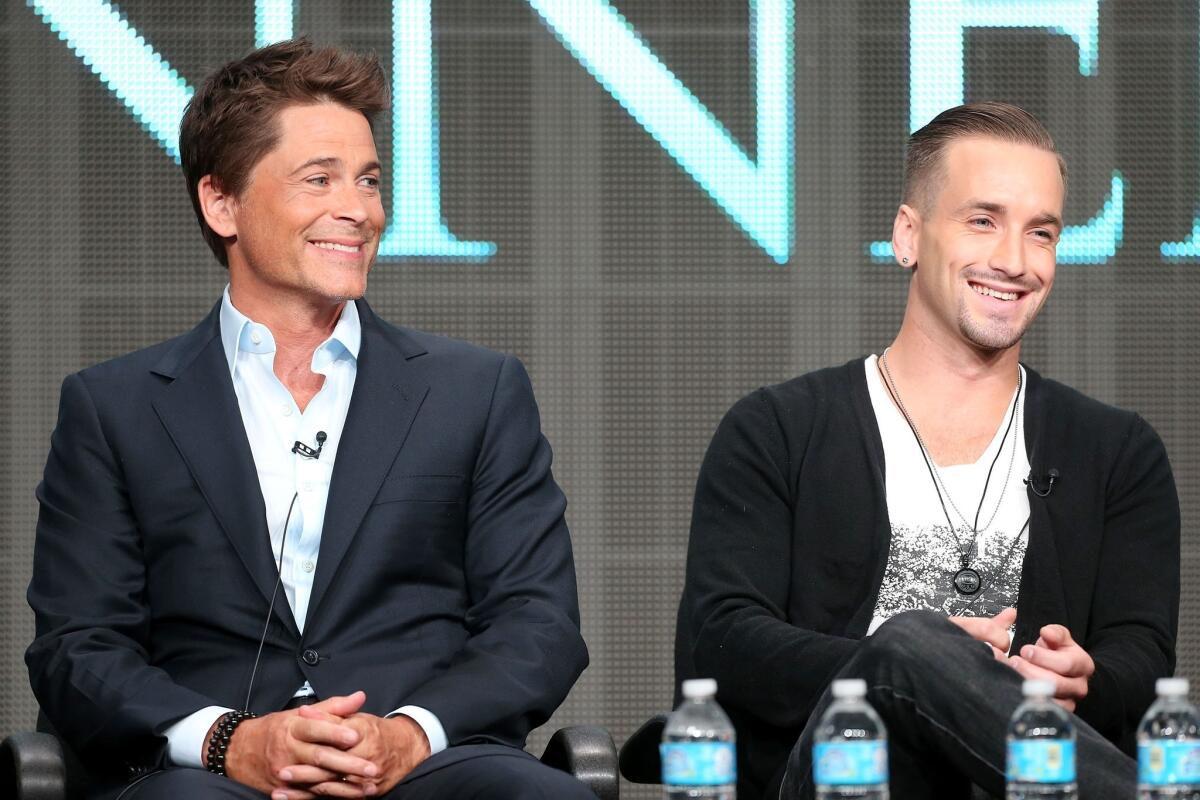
(262, 747)
(992, 630)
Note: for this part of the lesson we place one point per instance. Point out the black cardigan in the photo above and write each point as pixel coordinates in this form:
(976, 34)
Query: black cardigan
(790, 538)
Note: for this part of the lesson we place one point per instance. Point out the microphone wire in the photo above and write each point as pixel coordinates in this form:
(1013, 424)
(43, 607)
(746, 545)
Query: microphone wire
(261, 642)
(271, 605)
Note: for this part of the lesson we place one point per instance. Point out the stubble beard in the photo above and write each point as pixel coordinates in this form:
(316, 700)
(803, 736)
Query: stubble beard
(991, 334)
(340, 293)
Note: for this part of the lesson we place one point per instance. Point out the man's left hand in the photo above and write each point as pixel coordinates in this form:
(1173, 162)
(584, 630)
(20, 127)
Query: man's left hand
(1057, 657)
(395, 744)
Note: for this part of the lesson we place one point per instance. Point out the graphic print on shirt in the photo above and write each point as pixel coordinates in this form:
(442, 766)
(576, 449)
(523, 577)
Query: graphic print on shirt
(921, 566)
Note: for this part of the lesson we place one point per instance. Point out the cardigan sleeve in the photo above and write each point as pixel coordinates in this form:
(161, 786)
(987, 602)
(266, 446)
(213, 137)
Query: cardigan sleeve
(732, 623)
(1131, 634)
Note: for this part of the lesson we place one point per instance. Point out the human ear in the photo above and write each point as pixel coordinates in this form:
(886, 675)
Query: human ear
(218, 207)
(906, 229)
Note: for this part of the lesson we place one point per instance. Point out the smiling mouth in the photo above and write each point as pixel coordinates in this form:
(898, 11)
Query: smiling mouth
(989, 292)
(340, 248)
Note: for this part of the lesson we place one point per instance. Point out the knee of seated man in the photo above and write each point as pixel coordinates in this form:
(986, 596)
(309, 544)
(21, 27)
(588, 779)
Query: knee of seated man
(527, 779)
(184, 784)
(907, 640)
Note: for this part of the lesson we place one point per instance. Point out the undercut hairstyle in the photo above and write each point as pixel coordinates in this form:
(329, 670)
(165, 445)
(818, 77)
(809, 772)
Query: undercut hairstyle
(231, 122)
(924, 165)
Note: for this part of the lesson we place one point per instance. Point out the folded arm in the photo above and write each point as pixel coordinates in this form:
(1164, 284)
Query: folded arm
(1135, 611)
(88, 664)
(525, 650)
(733, 620)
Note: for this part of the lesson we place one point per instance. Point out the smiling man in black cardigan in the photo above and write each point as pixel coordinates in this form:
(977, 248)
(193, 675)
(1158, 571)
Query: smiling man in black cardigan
(939, 520)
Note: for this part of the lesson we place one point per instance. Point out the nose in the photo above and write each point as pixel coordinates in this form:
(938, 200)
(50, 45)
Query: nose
(1008, 256)
(350, 205)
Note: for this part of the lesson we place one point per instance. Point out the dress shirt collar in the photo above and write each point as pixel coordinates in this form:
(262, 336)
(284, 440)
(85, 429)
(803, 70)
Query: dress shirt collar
(239, 332)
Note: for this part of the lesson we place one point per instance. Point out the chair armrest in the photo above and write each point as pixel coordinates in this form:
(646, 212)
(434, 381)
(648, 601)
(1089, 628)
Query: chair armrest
(32, 767)
(640, 761)
(588, 753)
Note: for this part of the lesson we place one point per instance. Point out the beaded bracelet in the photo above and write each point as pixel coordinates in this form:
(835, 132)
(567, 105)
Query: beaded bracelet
(218, 743)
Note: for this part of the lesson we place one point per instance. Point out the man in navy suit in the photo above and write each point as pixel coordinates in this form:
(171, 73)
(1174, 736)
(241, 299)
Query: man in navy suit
(297, 550)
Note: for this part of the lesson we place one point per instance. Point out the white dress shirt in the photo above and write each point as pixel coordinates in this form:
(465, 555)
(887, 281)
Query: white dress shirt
(273, 424)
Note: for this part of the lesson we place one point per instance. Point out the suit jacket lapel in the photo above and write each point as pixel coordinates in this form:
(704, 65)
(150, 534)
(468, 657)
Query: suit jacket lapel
(200, 412)
(388, 392)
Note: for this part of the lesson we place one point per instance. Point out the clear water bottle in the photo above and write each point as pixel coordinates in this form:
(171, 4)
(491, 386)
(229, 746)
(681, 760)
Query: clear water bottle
(1169, 745)
(1041, 747)
(850, 756)
(698, 757)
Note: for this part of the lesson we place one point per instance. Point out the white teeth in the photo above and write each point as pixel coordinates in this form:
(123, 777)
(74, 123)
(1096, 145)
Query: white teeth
(345, 248)
(983, 290)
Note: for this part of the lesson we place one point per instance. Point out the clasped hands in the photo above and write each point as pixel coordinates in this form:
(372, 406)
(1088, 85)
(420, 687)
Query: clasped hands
(1055, 656)
(328, 749)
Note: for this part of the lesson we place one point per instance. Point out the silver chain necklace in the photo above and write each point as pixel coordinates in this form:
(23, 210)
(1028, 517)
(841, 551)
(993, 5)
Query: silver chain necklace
(967, 581)
(1012, 455)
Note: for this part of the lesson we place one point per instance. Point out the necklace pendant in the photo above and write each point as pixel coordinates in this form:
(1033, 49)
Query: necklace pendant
(967, 581)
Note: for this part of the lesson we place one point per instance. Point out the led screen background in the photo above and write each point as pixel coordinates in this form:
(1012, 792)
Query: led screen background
(637, 274)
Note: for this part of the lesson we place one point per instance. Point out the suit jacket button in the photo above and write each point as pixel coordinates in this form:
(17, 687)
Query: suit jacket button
(310, 657)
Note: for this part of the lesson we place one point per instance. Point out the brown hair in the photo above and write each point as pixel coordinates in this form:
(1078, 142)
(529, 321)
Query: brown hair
(230, 123)
(923, 164)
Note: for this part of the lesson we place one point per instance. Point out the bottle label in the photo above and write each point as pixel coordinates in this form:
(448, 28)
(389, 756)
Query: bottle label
(1041, 761)
(698, 763)
(850, 763)
(1162, 763)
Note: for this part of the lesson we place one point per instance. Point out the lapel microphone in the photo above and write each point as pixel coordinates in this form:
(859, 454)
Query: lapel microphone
(301, 449)
(1035, 483)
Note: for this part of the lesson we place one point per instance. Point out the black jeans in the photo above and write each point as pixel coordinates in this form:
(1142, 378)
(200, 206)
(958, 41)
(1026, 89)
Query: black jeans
(946, 702)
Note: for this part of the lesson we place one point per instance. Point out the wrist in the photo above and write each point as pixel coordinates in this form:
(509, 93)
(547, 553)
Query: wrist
(405, 732)
(220, 739)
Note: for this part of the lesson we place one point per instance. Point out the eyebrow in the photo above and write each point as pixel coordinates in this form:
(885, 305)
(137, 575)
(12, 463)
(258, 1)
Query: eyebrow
(1044, 218)
(330, 162)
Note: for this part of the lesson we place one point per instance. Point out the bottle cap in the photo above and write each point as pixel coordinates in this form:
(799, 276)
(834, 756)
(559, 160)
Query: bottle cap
(1171, 687)
(698, 688)
(851, 687)
(1037, 688)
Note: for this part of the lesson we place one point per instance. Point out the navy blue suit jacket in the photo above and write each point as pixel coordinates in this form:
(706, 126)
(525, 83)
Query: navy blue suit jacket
(445, 576)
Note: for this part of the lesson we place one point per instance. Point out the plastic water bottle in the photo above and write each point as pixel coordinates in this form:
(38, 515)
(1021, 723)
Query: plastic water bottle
(1169, 745)
(1041, 747)
(698, 757)
(850, 756)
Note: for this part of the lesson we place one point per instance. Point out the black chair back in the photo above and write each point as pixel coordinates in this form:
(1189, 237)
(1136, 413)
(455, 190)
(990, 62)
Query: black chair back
(639, 760)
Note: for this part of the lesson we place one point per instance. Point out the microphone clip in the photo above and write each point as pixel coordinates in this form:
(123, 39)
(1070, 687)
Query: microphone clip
(1035, 483)
(303, 450)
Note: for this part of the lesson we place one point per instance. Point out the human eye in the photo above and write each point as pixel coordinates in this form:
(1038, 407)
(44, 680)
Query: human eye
(983, 223)
(370, 182)
(318, 180)
(1044, 235)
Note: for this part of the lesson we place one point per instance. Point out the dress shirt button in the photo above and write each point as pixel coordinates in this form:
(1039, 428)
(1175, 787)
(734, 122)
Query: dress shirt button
(285, 409)
(308, 565)
(310, 657)
(255, 337)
